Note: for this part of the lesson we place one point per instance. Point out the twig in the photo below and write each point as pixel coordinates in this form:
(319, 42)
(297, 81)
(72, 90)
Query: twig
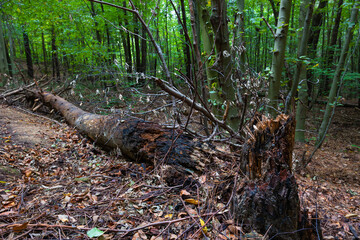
(272, 31)
(174, 92)
(37, 225)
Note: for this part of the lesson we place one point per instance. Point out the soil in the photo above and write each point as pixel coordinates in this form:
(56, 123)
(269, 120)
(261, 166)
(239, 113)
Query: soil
(46, 168)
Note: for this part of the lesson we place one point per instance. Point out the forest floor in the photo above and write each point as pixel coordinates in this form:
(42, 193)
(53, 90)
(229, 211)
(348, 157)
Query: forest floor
(55, 184)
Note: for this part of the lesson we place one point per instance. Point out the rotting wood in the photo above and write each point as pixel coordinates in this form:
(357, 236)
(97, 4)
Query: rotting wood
(138, 140)
(268, 200)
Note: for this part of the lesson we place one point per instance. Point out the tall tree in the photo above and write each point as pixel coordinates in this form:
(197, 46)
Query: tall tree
(186, 42)
(207, 38)
(331, 104)
(332, 44)
(143, 49)
(313, 41)
(93, 14)
(29, 62)
(3, 62)
(137, 45)
(278, 55)
(55, 55)
(223, 64)
(239, 36)
(300, 74)
(44, 51)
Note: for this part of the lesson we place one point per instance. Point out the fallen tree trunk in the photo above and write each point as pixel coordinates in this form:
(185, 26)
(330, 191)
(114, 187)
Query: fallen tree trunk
(138, 140)
(267, 199)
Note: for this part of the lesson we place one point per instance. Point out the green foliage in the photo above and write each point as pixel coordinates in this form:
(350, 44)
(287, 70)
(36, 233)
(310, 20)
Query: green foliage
(95, 232)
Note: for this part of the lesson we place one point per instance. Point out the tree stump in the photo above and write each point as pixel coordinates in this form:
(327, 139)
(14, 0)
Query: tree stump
(267, 200)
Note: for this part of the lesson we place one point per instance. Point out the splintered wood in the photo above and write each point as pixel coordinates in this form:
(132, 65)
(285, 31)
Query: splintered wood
(269, 146)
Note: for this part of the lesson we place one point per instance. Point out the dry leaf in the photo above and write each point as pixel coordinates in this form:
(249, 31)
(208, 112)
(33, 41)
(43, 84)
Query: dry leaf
(192, 201)
(140, 235)
(28, 172)
(21, 227)
(202, 179)
(156, 238)
(351, 215)
(184, 192)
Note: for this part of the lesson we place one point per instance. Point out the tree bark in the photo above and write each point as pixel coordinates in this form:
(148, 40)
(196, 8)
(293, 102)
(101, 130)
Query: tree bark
(143, 49)
(186, 42)
(267, 201)
(207, 38)
(223, 65)
(334, 86)
(332, 45)
(137, 45)
(93, 14)
(239, 36)
(29, 62)
(44, 52)
(55, 57)
(138, 140)
(278, 55)
(313, 41)
(300, 75)
(3, 62)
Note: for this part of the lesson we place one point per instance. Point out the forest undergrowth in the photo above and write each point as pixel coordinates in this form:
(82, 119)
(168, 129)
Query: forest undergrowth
(54, 184)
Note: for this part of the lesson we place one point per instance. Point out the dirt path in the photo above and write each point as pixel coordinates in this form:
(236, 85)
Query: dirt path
(24, 128)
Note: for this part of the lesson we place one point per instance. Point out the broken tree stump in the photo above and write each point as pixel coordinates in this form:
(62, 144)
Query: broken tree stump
(138, 140)
(267, 200)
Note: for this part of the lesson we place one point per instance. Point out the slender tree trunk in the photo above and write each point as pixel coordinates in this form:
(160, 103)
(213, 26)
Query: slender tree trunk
(44, 52)
(11, 50)
(313, 41)
(275, 9)
(302, 46)
(127, 45)
(239, 36)
(8, 59)
(258, 42)
(278, 55)
(143, 49)
(186, 43)
(109, 47)
(332, 45)
(300, 74)
(93, 14)
(3, 62)
(223, 64)
(55, 58)
(207, 38)
(340, 67)
(29, 61)
(137, 45)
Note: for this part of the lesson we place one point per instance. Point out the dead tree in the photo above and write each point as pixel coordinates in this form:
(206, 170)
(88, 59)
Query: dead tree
(138, 140)
(267, 199)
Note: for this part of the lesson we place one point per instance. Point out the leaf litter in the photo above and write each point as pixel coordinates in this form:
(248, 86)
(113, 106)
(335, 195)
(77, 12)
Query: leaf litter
(65, 187)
